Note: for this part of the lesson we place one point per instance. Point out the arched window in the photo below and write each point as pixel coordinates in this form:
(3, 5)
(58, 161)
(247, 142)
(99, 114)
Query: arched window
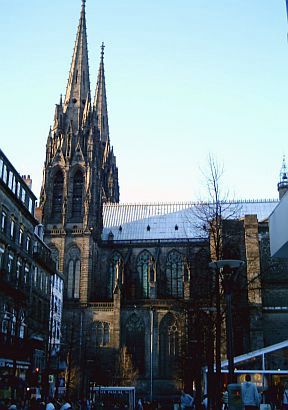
(99, 334)
(73, 273)
(135, 341)
(57, 198)
(115, 272)
(174, 274)
(145, 273)
(77, 195)
(102, 333)
(169, 346)
(106, 335)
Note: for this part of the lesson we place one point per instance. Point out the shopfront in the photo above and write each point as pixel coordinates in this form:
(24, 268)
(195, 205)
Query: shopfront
(13, 376)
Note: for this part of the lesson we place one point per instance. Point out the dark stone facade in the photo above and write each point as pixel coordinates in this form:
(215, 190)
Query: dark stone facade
(154, 296)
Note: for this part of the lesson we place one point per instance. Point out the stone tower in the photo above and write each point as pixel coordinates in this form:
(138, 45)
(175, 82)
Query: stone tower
(80, 174)
(283, 180)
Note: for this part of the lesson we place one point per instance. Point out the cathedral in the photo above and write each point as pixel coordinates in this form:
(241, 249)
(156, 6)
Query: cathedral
(137, 293)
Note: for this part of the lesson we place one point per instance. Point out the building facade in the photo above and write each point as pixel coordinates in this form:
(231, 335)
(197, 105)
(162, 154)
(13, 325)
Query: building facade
(26, 270)
(136, 277)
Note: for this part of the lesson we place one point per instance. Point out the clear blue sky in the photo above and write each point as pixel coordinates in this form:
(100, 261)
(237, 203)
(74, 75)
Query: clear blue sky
(184, 79)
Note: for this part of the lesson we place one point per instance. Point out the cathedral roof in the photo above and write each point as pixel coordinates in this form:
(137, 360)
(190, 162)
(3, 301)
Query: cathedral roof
(171, 221)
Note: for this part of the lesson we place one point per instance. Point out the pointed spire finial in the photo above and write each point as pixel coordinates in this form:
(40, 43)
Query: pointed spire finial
(283, 172)
(100, 101)
(83, 4)
(102, 51)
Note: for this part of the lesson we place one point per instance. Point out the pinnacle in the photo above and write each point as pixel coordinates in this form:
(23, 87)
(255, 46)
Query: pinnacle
(78, 82)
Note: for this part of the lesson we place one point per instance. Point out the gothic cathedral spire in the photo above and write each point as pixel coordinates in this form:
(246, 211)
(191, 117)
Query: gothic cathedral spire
(78, 87)
(100, 102)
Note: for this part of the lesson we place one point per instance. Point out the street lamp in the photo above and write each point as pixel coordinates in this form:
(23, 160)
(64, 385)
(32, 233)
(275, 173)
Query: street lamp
(227, 267)
(151, 351)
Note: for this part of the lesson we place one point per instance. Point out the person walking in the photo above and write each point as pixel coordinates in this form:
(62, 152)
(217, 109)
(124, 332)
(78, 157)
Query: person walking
(285, 397)
(186, 401)
(250, 395)
(225, 399)
(50, 404)
(139, 404)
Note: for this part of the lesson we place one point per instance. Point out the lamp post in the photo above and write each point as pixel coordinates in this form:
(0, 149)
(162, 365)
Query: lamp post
(151, 351)
(226, 268)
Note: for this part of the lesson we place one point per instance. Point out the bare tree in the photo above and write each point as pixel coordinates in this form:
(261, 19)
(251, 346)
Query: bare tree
(210, 220)
(125, 373)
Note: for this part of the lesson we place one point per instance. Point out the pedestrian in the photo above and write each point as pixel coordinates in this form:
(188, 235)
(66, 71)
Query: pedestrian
(66, 405)
(250, 395)
(176, 406)
(139, 404)
(205, 402)
(186, 400)
(285, 397)
(50, 405)
(225, 399)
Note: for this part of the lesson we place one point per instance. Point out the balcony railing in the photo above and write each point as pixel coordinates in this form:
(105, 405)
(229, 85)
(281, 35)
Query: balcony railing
(43, 256)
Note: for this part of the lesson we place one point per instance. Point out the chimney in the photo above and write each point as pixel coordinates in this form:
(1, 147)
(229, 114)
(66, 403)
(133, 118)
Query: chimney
(28, 181)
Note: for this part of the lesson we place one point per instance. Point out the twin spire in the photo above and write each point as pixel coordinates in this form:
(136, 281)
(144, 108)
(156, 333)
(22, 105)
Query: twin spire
(78, 97)
(100, 101)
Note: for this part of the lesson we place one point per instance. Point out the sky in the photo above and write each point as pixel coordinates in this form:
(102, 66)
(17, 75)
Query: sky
(184, 79)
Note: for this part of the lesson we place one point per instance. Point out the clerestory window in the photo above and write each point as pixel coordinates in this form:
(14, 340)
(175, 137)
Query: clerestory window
(145, 273)
(174, 274)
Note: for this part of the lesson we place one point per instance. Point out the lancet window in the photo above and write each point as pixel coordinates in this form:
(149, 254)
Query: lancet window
(174, 274)
(135, 341)
(57, 198)
(169, 345)
(77, 195)
(102, 333)
(73, 274)
(145, 273)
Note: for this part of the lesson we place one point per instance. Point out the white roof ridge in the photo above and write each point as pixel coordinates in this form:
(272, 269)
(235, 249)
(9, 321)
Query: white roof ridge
(186, 203)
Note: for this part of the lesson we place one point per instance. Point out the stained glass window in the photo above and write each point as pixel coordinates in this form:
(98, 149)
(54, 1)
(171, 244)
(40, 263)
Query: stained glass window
(174, 274)
(145, 264)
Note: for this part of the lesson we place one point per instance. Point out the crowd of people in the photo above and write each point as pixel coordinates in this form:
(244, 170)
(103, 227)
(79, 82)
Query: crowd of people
(273, 398)
(49, 404)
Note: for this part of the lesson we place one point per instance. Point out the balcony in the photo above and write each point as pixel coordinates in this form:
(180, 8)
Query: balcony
(11, 286)
(42, 255)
